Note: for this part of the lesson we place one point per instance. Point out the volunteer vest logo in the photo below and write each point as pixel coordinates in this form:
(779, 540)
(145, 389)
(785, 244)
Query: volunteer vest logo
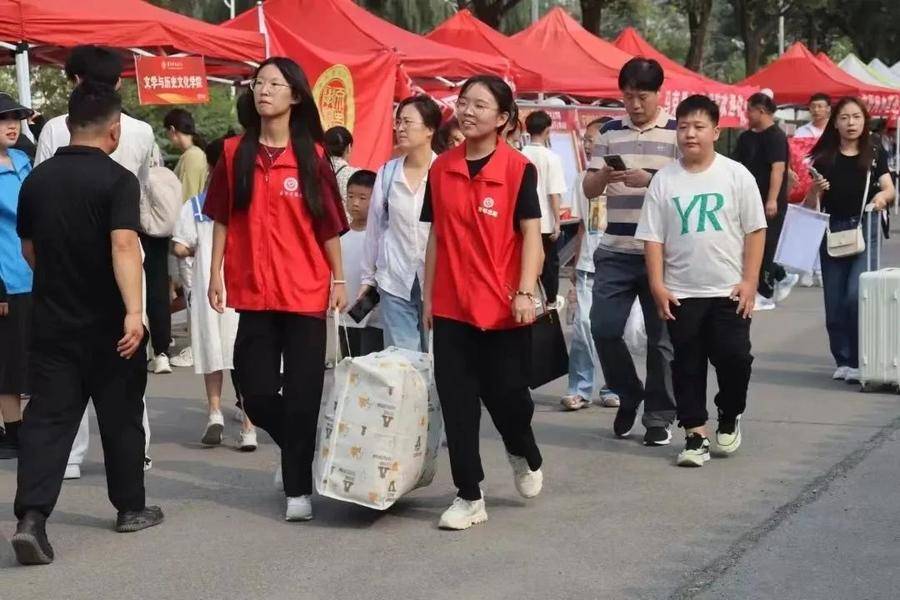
(705, 210)
(335, 97)
(291, 184)
(487, 207)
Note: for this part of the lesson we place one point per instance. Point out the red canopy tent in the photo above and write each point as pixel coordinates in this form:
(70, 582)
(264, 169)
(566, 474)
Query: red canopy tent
(565, 38)
(43, 30)
(356, 59)
(798, 73)
(533, 73)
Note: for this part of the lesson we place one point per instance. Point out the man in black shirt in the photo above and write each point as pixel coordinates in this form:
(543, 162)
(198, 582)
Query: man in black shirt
(78, 220)
(763, 149)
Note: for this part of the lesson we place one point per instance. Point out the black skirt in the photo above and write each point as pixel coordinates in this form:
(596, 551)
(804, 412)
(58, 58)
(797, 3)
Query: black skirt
(15, 338)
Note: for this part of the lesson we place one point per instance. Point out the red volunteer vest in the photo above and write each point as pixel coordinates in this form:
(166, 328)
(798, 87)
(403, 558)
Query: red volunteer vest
(273, 260)
(479, 252)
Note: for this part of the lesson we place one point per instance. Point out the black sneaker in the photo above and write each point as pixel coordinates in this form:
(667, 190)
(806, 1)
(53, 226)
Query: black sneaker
(696, 451)
(140, 519)
(658, 436)
(30, 540)
(624, 422)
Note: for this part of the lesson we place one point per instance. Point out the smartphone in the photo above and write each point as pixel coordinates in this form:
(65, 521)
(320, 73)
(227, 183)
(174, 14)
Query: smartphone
(364, 305)
(813, 173)
(615, 162)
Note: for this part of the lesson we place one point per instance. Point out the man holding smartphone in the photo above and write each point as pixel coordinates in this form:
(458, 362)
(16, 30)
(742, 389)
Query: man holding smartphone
(645, 141)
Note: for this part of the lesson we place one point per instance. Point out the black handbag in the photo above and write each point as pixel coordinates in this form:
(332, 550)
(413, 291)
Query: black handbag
(548, 352)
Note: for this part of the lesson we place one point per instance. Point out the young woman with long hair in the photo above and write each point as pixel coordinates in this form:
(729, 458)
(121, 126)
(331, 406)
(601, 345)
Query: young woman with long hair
(394, 254)
(845, 158)
(483, 260)
(278, 217)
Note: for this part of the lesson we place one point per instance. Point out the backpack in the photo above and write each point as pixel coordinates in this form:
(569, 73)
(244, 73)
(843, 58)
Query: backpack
(387, 178)
(161, 202)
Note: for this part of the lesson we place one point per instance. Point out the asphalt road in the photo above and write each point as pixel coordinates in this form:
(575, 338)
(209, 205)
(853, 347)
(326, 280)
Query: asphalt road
(806, 509)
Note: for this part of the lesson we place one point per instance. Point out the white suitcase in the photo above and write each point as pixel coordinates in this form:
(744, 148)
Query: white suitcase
(879, 329)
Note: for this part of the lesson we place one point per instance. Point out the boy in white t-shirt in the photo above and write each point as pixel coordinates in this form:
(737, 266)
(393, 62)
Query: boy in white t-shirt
(582, 353)
(366, 336)
(550, 187)
(705, 229)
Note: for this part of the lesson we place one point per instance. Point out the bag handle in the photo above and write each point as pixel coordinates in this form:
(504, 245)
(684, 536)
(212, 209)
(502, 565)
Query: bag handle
(386, 182)
(336, 323)
(865, 197)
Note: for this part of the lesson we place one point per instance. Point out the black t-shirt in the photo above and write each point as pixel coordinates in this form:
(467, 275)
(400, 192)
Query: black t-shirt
(847, 179)
(527, 204)
(68, 207)
(758, 150)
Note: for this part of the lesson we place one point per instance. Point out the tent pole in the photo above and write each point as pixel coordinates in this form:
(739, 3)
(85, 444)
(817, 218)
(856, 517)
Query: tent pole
(23, 82)
(262, 25)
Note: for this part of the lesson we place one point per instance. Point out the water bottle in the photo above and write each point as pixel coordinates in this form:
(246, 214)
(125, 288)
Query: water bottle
(572, 306)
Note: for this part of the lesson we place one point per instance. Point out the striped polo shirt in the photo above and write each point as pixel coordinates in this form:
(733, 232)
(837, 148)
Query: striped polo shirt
(650, 148)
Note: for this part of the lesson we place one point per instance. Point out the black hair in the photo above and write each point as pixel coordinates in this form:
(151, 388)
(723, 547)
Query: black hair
(183, 122)
(698, 103)
(642, 74)
(442, 137)
(363, 178)
(599, 122)
(502, 93)
(337, 140)
(820, 96)
(94, 63)
(306, 132)
(427, 109)
(537, 122)
(214, 150)
(829, 144)
(93, 103)
(763, 101)
(246, 110)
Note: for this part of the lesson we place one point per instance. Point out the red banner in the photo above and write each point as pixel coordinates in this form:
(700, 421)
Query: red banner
(171, 80)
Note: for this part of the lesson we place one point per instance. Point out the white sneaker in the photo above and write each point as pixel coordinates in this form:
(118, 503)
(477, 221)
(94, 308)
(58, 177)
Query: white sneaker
(73, 471)
(160, 365)
(763, 303)
(817, 279)
(299, 508)
(185, 358)
(528, 483)
(852, 375)
(247, 441)
(783, 288)
(806, 280)
(729, 441)
(462, 514)
(609, 398)
(214, 429)
(695, 453)
(279, 479)
(840, 373)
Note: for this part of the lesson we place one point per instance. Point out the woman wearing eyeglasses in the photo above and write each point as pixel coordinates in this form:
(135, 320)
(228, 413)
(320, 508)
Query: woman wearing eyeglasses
(278, 217)
(394, 254)
(484, 256)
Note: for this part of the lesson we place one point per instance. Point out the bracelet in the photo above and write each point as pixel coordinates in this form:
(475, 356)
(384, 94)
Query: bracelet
(528, 295)
(339, 281)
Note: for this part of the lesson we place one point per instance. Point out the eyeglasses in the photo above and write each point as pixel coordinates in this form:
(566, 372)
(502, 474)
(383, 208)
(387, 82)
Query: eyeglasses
(479, 108)
(406, 124)
(258, 85)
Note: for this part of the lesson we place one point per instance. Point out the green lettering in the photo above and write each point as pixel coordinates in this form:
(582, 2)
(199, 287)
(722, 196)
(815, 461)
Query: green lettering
(685, 214)
(707, 213)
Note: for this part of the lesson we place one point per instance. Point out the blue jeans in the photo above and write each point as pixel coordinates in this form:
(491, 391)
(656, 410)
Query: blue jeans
(618, 280)
(402, 320)
(840, 278)
(582, 354)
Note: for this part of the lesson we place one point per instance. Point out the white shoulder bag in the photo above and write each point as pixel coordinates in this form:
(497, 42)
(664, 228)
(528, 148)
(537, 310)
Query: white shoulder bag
(850, 242)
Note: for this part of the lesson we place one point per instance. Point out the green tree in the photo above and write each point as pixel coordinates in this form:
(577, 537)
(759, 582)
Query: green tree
(699, 14)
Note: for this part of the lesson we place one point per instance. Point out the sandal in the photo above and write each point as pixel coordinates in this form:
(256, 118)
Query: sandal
(573, 402)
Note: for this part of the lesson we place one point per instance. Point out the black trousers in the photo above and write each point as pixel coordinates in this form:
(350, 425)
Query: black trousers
(64, 375)
(771, 272)
(474, 366)
(362, 340)
(550, 272)
(286, 408)
(156, 269)
(708, 330)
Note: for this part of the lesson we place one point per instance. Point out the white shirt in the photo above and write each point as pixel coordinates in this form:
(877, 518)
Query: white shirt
(809, 131)
(394, 253)
(352, 246)
(702, 219)
(137, 149)
(592, 212)
(551, 180)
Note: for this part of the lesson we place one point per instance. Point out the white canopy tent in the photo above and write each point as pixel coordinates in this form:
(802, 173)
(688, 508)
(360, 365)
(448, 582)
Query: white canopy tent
(853, 65)
(885, 72)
